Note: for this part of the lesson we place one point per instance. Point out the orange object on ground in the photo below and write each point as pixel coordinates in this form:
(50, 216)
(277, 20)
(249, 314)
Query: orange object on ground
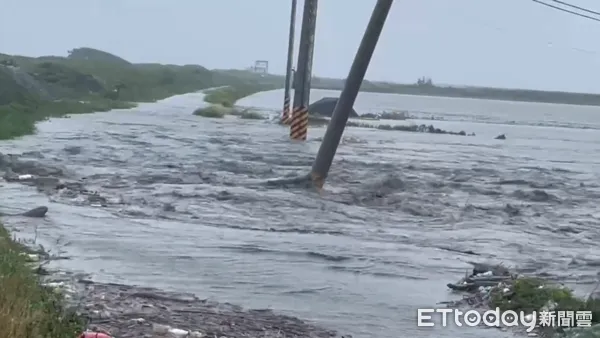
(94, 335)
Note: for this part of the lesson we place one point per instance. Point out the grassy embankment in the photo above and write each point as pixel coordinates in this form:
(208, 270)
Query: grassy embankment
(89, 80)
(28, 309)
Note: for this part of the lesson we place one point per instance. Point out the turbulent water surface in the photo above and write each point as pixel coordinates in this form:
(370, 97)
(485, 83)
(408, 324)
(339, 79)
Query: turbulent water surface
(190, 211)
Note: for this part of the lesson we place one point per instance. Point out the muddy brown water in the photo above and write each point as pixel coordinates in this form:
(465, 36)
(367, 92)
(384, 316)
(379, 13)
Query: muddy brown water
(186, 207)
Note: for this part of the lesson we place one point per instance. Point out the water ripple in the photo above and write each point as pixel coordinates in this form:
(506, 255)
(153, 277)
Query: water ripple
(188, 207)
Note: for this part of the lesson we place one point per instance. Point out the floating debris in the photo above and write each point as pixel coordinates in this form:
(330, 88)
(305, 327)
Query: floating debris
(415, 128)
(483, 279)
(91, 334)
(496, 287)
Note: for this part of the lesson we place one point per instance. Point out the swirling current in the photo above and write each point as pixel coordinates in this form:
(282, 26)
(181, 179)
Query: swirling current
(187, 207)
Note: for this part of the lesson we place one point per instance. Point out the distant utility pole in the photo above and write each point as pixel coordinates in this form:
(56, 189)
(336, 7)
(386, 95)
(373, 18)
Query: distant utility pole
(285, 116)
(299, 121)
(336, 126)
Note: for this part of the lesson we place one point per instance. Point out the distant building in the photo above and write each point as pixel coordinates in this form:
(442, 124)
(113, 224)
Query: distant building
(261, 66)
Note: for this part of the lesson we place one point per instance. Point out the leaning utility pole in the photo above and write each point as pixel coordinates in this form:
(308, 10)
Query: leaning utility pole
(299, 121)
(285, 116)
(336, 126)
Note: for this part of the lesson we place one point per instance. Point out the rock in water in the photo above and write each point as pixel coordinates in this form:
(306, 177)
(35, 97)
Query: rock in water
(36, 212)
(325, 106)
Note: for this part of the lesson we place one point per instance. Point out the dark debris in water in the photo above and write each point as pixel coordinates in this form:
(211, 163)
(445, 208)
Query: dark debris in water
(481, 277)
(422, 128)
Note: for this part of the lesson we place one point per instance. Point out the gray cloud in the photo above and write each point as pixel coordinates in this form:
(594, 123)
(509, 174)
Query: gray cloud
(508, 43)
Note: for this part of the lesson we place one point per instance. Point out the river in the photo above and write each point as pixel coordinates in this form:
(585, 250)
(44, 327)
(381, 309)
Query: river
(361, 258)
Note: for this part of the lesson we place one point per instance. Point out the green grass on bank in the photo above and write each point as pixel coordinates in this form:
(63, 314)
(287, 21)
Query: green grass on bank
(228, 96)
(27, 309)
(533, 294)
(17, 119)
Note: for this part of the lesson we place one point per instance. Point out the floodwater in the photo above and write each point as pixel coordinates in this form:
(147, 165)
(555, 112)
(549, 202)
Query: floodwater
(378, 244)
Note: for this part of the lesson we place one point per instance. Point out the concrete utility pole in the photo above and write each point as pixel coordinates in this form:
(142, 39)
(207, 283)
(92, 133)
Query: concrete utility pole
(299, 122)
(336, 126)
(285, 116)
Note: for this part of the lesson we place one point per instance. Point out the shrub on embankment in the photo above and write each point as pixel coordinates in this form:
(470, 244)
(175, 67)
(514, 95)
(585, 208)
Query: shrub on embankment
(213, 111)
(89, 80)
(532, 294)
(28, 309)
(220, 111)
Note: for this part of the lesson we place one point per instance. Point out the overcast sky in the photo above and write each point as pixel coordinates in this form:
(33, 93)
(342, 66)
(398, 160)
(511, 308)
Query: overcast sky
(504, 43)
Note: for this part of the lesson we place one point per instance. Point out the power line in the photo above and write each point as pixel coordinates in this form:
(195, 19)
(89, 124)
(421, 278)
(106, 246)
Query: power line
(476, 21)
(566, 10)
(548, 43)
(577, 7)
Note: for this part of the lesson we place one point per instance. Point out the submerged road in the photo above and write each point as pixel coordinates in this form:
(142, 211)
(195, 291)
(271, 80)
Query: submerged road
(188, 208)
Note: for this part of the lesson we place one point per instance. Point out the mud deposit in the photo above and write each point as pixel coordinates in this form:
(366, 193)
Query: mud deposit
(159, 198)
(133, 312)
